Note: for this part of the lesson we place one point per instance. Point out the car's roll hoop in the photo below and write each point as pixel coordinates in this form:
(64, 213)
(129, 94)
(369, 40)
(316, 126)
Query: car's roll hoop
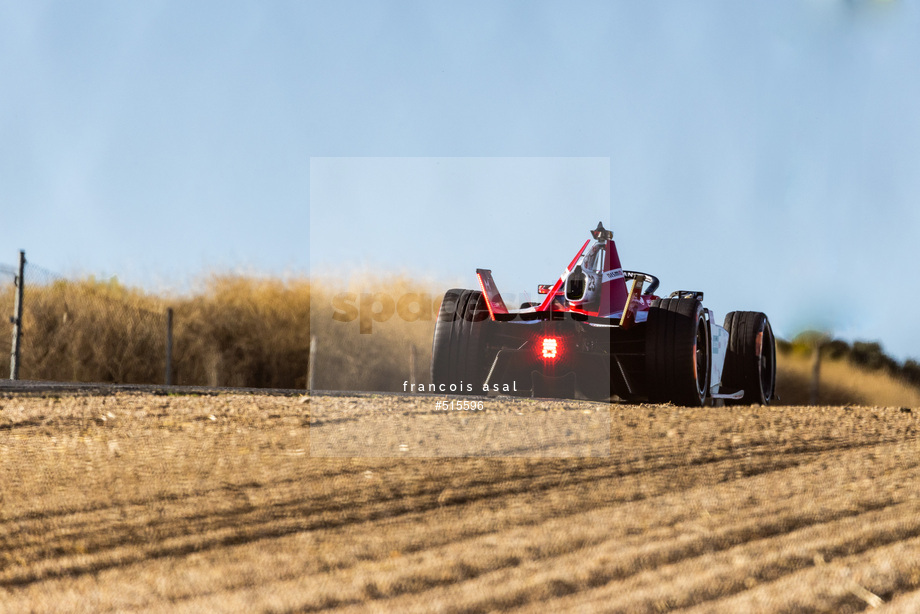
(601, 234)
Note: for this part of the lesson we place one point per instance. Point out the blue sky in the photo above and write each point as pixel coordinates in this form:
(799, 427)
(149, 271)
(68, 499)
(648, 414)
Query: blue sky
(767, 153)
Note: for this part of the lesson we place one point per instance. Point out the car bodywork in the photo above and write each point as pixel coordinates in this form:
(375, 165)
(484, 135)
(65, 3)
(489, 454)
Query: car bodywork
(599, 332)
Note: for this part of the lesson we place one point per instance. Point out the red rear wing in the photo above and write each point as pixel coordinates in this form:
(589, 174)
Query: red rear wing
(494, 301)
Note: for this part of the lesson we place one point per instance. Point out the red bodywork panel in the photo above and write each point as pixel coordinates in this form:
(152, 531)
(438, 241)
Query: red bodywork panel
(613, 284)
(494, 300)
(613, 296)
(551, 295)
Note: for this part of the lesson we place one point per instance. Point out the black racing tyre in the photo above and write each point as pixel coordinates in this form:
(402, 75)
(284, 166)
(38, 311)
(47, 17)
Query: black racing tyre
(678, 352)
(459, 358)
(750, 363)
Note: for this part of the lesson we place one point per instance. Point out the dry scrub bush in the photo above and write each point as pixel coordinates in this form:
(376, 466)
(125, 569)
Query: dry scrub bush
(232, 331)
(91, 331)
(243, 331)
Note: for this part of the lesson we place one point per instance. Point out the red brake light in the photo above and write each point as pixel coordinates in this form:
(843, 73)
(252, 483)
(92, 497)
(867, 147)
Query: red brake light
(550, 347)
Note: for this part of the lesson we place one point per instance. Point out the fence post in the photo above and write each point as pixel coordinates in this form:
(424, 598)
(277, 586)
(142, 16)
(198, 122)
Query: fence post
(312, 360)
(412, 359)
(169, 345)
(815, 374)
(17, 317)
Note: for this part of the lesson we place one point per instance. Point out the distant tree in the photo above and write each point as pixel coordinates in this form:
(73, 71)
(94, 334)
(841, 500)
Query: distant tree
(911, 371)
(836, 349)
(811, 338)
(870, 354)
(783, 346)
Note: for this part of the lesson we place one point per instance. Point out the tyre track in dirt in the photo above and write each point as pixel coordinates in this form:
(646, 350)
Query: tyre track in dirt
(538, 579)
(76, 520)
(89, 542)
(839, 586)
(768, 558)
(476, 534)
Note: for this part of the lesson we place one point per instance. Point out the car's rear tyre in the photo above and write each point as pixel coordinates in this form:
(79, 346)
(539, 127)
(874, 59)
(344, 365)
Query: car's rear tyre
(750, 363)
(678, 353)
(459, 360)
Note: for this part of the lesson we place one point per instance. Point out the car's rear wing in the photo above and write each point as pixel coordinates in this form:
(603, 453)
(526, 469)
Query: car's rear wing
(493, 298)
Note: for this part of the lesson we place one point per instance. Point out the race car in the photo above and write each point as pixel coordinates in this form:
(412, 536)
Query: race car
(594, 336)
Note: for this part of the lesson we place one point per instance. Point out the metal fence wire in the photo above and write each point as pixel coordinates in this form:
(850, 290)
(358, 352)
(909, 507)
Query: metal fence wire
(7, 298)
(83, 331)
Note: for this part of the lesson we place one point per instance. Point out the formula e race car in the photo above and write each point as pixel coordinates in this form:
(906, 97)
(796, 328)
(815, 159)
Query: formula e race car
(594, 337)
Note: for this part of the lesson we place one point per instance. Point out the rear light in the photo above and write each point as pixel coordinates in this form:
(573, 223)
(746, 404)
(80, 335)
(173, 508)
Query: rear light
(550, 348)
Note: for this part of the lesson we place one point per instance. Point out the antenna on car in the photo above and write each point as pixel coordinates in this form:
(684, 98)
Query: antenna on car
(601, 234)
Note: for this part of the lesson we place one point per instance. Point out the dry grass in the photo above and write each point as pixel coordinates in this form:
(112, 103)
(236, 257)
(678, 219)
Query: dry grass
(89, 331)
(840, 383)
(157, 503)
(232, 331)
(243, 331)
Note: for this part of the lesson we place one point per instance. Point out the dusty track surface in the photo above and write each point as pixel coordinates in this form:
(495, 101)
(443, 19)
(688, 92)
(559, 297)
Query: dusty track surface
(131, 501)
